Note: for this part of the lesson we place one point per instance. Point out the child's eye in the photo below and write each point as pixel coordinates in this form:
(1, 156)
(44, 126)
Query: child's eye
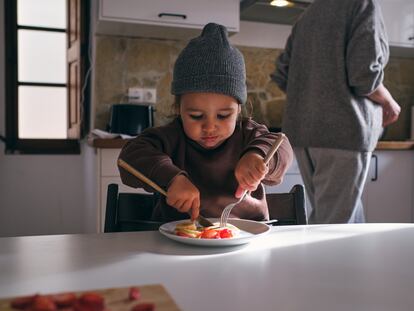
(196, 116)
(223, 116)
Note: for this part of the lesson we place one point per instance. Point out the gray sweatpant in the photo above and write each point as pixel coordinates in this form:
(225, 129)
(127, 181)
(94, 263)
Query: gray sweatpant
(334, 180)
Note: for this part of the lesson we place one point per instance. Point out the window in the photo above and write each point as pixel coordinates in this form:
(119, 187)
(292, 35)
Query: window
(44, 75)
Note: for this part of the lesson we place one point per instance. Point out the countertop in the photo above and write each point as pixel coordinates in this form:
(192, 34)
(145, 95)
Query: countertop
(316, 267)
(119, 143)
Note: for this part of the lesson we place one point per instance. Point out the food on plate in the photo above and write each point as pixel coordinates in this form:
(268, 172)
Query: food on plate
(190, 230)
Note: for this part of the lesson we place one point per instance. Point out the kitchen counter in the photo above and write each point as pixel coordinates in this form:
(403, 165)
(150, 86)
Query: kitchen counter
(369, 267)
(119, 143)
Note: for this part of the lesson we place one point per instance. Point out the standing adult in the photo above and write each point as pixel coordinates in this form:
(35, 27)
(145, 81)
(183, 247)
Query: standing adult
(332, 71)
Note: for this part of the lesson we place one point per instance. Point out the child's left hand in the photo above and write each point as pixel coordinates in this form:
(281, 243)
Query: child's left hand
(250, 171)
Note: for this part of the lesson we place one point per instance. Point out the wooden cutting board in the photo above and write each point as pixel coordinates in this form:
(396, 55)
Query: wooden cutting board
(116, 299)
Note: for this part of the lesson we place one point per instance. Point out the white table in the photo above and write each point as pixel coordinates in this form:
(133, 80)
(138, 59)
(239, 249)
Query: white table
(327, 267)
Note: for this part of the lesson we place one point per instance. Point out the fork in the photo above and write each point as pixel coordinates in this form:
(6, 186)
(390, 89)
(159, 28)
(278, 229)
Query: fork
(226, 211)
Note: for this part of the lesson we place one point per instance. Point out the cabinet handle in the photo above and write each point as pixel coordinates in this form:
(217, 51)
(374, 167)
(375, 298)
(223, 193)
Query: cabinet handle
(183, 16)
(411, 38)
(374, 156)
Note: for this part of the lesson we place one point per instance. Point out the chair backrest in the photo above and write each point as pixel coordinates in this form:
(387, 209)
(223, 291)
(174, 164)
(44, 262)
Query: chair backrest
(288, 208)
(132, 211)
(129, 211)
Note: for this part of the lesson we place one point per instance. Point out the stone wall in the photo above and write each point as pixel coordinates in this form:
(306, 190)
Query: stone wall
(122, 63)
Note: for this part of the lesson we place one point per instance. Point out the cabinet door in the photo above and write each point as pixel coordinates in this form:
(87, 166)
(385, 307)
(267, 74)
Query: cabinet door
(388, 194)
(399, 21)
(168, 19)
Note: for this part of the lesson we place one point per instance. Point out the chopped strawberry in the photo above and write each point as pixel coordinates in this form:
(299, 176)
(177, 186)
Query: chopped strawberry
(64, 300)
(22, 302)
(143, 307)
(43, 303)
(90, 302)
(225, 233)
(134, 293)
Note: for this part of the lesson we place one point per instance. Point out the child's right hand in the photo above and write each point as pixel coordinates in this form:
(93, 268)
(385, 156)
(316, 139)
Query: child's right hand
(184, 196)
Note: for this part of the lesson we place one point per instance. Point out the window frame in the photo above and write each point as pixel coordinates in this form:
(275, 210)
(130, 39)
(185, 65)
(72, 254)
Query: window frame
(17, 145)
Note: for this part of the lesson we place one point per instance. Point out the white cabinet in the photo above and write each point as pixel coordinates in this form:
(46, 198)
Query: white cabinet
(176, 19)
(108, 174)
(399, 21)
(388, 194)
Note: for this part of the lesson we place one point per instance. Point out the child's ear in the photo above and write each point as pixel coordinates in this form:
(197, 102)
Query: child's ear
(238, 109)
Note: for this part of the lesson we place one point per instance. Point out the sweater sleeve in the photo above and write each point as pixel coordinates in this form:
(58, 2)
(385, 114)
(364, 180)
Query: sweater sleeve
(367, 49)
(150, 153)
(261, 141)
(280, 76)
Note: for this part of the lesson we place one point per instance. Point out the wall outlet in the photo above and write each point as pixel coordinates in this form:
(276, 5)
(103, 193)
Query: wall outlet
(135, 94)
(149, 95)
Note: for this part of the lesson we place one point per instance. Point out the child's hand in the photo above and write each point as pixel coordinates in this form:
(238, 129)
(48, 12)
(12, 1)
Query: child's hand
(184, 196)
(249, 172)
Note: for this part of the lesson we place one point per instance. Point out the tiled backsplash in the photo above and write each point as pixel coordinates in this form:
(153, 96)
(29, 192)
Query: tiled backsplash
(122, 63)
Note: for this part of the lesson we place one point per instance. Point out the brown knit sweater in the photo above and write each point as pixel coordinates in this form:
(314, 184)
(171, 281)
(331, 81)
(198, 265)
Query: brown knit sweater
(161, 153)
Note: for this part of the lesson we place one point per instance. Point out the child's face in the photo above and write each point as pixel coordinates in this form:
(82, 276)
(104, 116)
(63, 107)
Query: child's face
(208, 118)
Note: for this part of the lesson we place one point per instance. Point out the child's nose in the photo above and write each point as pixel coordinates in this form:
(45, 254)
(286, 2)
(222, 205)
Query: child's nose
(209, 124)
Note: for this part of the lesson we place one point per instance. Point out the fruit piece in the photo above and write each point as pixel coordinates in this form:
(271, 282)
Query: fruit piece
(210, 234)
(43, 303)
(225, 233)
(143, 307)
(22, 302)
(90, 302)
(64, 300)
(134, 293)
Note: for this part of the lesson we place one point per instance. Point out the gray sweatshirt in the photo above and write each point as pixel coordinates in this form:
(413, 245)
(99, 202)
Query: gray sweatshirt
(334, 57)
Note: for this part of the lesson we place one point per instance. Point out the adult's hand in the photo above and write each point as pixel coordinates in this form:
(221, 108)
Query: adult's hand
(390, 108)
(390, 112)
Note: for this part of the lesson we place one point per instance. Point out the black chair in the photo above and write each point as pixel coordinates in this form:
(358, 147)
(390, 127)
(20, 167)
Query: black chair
(288, 208)
(132, 211)
(129, 211)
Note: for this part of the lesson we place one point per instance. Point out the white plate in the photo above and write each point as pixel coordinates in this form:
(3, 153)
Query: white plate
(249, 230)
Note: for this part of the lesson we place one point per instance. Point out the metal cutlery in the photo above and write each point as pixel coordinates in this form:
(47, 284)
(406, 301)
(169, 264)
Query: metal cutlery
(204, 222)
(226, 211)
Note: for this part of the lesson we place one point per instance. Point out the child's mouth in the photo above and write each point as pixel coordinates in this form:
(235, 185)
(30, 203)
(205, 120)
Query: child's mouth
(209, 140)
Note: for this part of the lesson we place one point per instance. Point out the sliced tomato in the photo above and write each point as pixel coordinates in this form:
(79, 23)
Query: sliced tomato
(22, 302)
(226, 233)
(134, 293)
(210, 234)
(143, 307)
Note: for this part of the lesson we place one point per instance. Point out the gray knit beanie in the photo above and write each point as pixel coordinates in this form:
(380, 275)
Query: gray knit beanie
(210, 64)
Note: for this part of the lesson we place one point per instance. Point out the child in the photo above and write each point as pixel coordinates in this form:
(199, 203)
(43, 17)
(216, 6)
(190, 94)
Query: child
(207, 156)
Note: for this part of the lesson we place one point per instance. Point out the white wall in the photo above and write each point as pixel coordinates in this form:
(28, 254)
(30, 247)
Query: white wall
(44, 194)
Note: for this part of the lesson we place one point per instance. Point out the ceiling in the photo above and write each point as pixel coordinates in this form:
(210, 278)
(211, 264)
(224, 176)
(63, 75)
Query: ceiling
(262, 11)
